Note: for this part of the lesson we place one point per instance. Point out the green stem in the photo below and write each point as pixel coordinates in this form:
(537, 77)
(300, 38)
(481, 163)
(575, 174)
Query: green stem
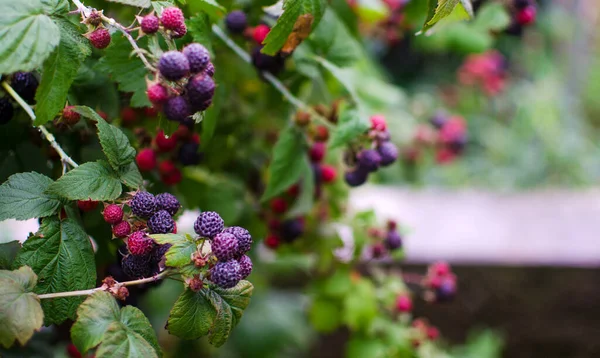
(47, 135)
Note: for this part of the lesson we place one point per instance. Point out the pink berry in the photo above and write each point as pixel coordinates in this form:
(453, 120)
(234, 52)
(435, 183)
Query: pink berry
(70, 116)
(128, 115)
(378, 122)
(404, 304)
(164, 143)
(146, 159)
(317, 152)
(328, 173)
(260, 33)
(157, 94)
(527, 15)
(113, 214)
(172, 178)
(440, 268)
(99, 38)
(172, 18)
(432, 333)
(121, 229)
(272, 241)
(166, 167)
(278, 205)
(179, 32)
(139, 243)
(149, 24)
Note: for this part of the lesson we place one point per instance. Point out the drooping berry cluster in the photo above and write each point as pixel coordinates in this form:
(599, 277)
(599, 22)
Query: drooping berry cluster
(524, 13)
(384, 241)
(171, 23)
(229, 248)
(440, 283)
(381, 153)
(486, 71)
(165, 152)
(25, 85)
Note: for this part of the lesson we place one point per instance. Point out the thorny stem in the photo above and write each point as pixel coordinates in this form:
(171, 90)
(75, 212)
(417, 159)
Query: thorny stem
(47, 135)
(269, 77)
(91, 291)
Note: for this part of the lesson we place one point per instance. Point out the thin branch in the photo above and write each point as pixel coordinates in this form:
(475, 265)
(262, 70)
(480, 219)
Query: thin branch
(47, 135)
(295, 101)
(138, 51)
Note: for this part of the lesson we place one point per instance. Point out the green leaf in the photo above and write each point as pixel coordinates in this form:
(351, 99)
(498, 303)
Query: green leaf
(59, 71)
(20, 311)
(360, 306)
(115, 143)
(92, 180)
(332, 41)
(126, 69)
(27, 35)
(210, 7)
(454, 10)
(136, 322)
(341, 75)
(8, 252)
(136, 3)
(492, 17)
(181, 252)
(211, 116)
(324, 315)
(289, 155)
(350, 126)
(305, 200)
(131, 176)
(120, 342)
(293, 9)
(364, 347)
(61, 255)
(23, 197)
(94, 316)
(199, 28)
(158, 6)
(55, 7)
(233, 303)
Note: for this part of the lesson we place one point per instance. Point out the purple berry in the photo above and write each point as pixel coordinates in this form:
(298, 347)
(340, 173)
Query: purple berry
(210, 69)
(245, 266)
(6, 110)
(177, 109)
(356, 177)
(226, 274)
(446, 291)
(388, 153)
(243, 236)
(393, 240)
(135, 266)
(236, 22)
(200, 89)
(156, 256)
(224, 246)
(25, 84)
(264, 62)
(291, 229)
(173, 65)
(438, 120)
(188, 154)
(161, 223)
(143, 204)
(168, 202)
(208, 224)
(369, 159)
(198, 57)
(149, 24)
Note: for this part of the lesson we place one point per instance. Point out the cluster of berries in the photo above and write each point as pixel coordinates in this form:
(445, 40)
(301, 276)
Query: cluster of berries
(186, 84)
(229, 247)
(381, 154)
(439, 283)
(283, 230)
(524, 13)
(171, 23)
(385, 240)
(423, 331)
(99, 36)
(237, 23)
(323, 173)
(24, 84)
(180, 147)
(487, 71)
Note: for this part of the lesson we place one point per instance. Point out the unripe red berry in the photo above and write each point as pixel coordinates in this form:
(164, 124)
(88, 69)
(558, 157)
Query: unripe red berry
(121, 229)
(113, 214)
(404, 304)
(527, 15)
(432, 333)
(87, 205)
(99, 38)
(172, 18)
(293, 191)
(328, 173)
(70, 116)
(321, 134)
(440, 268)
(272, 241)
(166, 167)
(103, 115)
(139, 243)
(164, 143)
(149, 24)
(157, 94)
(260, 33)
(278, 205)
(128, 115)
(172, 178)
(146, 159)
(317, 152)
(378, 122)
(72, 351)
(151, 112)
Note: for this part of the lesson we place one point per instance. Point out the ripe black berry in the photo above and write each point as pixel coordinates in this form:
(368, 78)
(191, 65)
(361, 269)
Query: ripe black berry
(168, 202)
(208, 224)
(173, 65)
(25, 84)
(393, 240)
(446, 291)
(224, 246)
(236, 22)
(226, 274)
(243, 236)
(161, 223)
(200, 89)
(356, 177)
(197, 56)
(136, 266)
(264, 62)
(369, 159)
(188, 154)
(143, 204)
(177, 109)
(158, 253)
(6, 110)
(245, 266)
(388, 153)
(291, 229)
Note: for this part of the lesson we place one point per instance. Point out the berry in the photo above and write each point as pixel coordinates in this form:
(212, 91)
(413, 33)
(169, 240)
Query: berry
(200, 89)
(188, 154)
(378, 122)
(245, 266)
(70, 116)
(113, 214)
(87, 205)
(272, 241)
(321, 134)
(404, 304)
(163, 143)
(369, 159)
(224, 246)
(226, 274)
(527, 15)
(260, 33)
(433, 333)
(210, 69)
(72, 351)
(161, 223)
(236, 22)
(158, 253)
(243, 236)
(172, 18)
(377, 250)
(149, 24)
(121, 229)
(198, 57)
(172, 178)
(264, 62)
(356, 177)
(179, 32)
(25, 84)
(146, 159)
(173, 65)
(278, 205)
(157, 94)
(317, 152)
(136, 267)
(167, 202)
(393, 240)
(177, 109)
(440, 268)
(128, 115)
(328, 173)
(166, 167)
(143, 204)
(99, 38)
(388, 153)
(6, 110)
(438, 120)
(291, 229)
(208, 224)
(151, 112)
(139, 243)
(446, 291)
